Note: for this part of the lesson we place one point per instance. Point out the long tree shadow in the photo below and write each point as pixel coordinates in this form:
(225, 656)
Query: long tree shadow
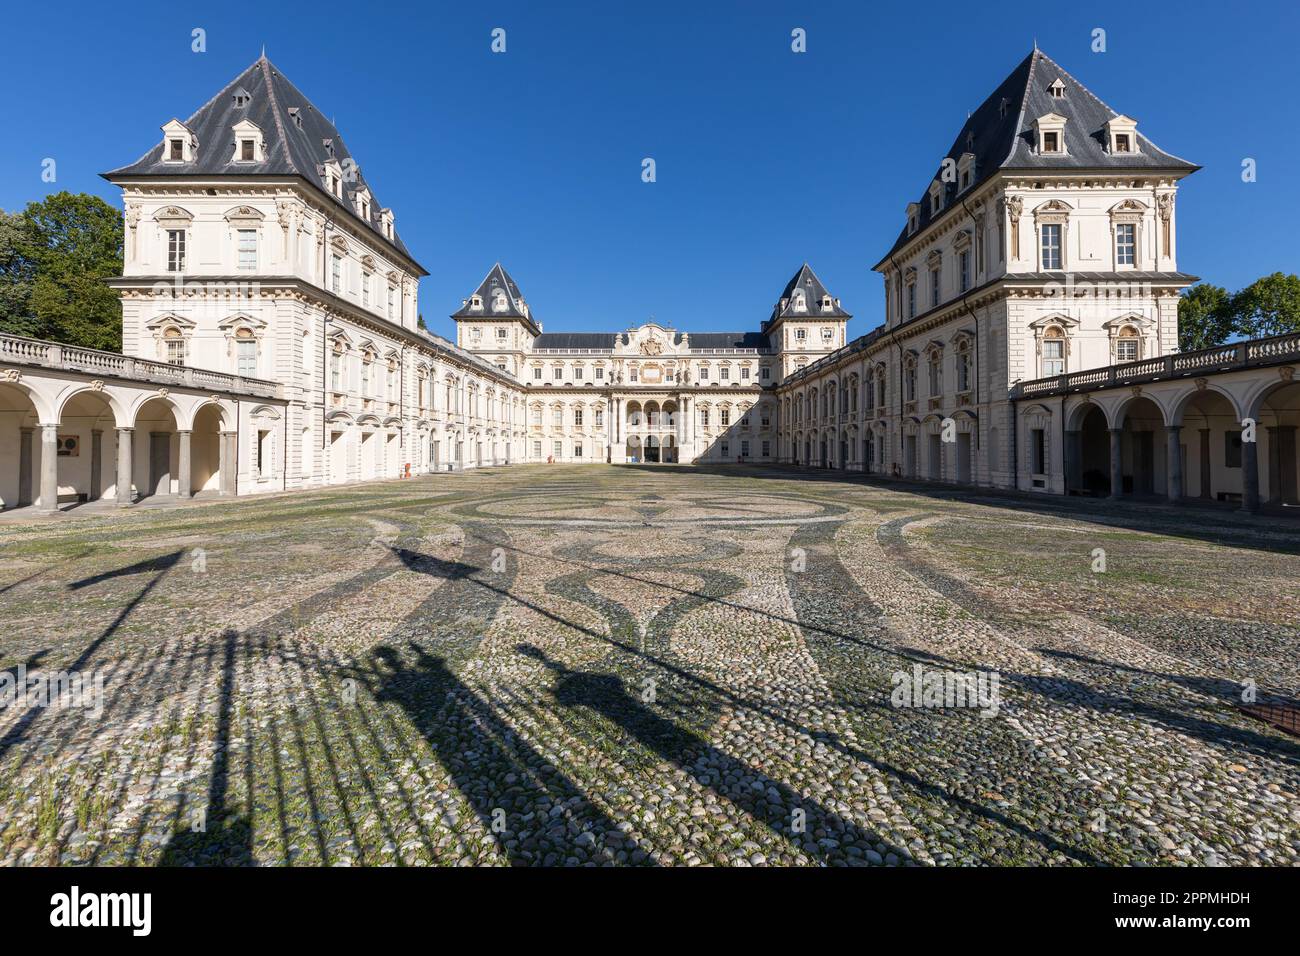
(786, 812)
(534, 811)
(222, 836)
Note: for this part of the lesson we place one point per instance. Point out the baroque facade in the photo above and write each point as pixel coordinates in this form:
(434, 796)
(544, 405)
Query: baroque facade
(271, 336)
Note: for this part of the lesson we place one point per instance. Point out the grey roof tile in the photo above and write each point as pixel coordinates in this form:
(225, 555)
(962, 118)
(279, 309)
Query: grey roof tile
(516, 307)
(295, 132)
(814, 291)
(1000, 135)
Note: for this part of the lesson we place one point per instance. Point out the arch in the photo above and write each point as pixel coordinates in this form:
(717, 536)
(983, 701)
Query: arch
(20, 444)
(156, 450)
(121, 415)
(1120, 413)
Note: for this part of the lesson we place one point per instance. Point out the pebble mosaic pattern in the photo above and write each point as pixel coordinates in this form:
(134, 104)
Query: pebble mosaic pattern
(575, 665)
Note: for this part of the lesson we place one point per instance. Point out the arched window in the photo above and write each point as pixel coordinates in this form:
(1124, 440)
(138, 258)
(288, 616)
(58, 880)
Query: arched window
(1053, 351)
(245, 353)
(963, 365)
(173, 346)
(1128, 345)
(936, 371)
(909, 378)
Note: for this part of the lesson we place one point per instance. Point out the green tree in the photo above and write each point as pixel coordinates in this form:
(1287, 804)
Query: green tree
(1205, 317)
(1268, 306)
(73, 242)
(15, 278)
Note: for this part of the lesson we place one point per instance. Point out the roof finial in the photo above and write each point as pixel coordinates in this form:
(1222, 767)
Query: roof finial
(263, 51)
(1035, 44)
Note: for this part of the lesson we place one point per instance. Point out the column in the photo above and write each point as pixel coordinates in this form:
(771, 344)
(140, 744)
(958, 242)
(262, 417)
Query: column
(1116, 463)
(1205, 464)
(49, 469)
(183, 484)
(1174, 462)
(1250, 476)
(1073, 461)
(229, 463)
(125, 437)
(96, 464)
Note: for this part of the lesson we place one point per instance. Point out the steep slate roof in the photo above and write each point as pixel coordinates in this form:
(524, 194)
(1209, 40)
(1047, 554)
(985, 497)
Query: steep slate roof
(576, 340)
(806, 279)
(498, 278)
(729, 340)
(290, 150)
(1003, 138)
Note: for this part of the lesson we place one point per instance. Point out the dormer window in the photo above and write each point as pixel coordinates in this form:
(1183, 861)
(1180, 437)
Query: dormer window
(295, 114)
(826, 303)
(178, 143)
(1057, 90)
(1121, 135)
(249, 146)
(499, 301)
(936, 197)
(1051, 133)
(241, 98)
(476, 302)
(913, 218)
(965, 170)
(798, 303)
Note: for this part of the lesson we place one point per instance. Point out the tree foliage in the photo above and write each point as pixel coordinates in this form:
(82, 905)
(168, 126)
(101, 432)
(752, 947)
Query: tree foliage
(1208, 315)
(54, 258)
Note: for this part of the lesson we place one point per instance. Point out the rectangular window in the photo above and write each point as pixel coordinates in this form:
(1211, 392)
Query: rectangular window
(767, 449)
(557, 417)
(800, 334)
(631, 374)
(724, 416)
(247, 248)
(175, 250)
(704, 417)
(177, 153)
(365, 288)
(557, 449)
(263, 450)
(600, 417)
(537, 449)
(392, 303)
(764, 373)
(911, 300)
(600, 371)
(724, 373)
(336, 372)
(502, 333)
(934, 286)
(175, 351)
(577, 416)
(246, 358)
(537, 372)
(1053, 357)
(1050, 244)
(726, 450)
(963, 263)
(557, 373)
(744, 372)
(704, 374)
(1126, 244)
(246, 150)
(577, 373)
(1122, 144)
(744, 449)
(1038, 451)
(1051, 142)
(1126, 350)
(577, 449)
(336, 274)
(535, 416)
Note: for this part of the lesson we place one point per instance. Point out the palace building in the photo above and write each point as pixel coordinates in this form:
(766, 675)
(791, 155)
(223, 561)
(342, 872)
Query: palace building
(271, 338)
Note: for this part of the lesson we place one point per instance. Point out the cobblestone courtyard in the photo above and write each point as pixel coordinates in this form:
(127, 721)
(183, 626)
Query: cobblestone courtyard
(590, 664)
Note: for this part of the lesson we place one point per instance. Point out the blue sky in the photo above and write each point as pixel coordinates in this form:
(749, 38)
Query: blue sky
(764, 158)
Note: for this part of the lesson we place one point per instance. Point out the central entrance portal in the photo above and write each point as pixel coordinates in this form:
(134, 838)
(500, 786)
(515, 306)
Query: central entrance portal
(652, 449)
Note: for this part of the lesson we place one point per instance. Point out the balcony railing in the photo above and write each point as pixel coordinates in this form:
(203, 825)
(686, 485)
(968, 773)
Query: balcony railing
(71, 358)
(1254, 353)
